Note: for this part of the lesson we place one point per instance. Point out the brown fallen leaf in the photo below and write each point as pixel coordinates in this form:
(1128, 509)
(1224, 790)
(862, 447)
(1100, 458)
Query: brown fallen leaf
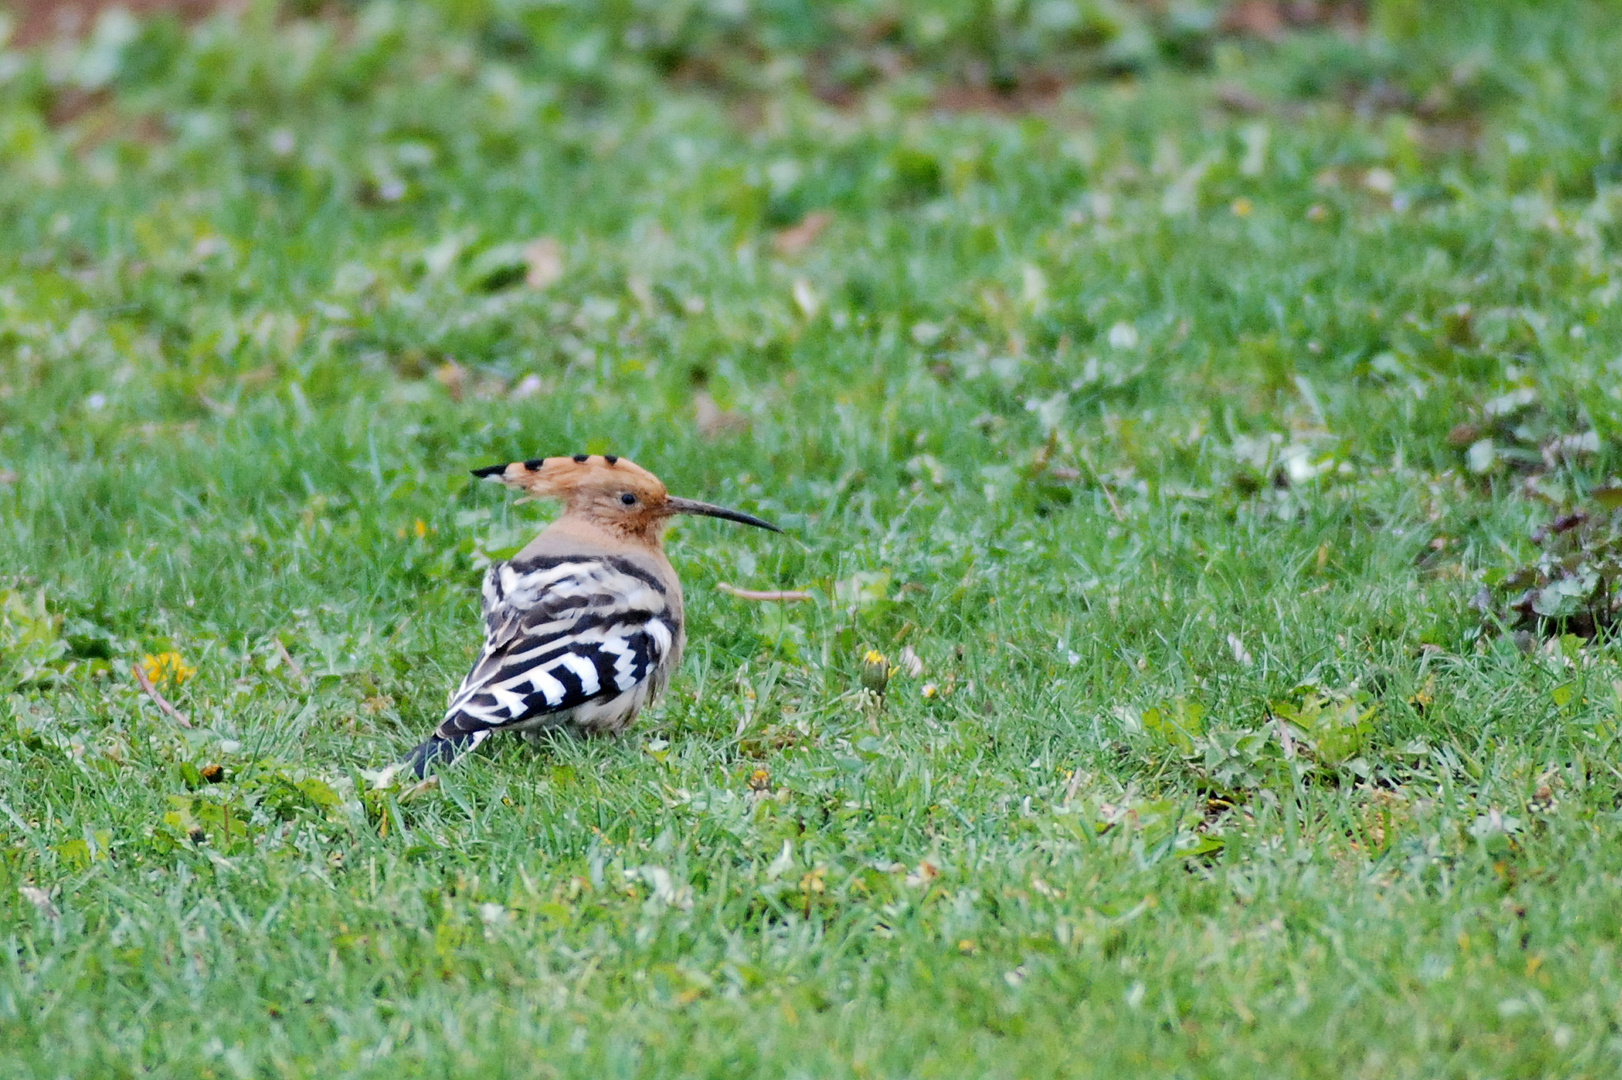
(544, 258)
(712, 420)
(1462, 435)
(463, 384)
(41, 901)
(1255, 18)
(926, 872)
(786, 596)
(1286, 740)
(453, 377)
(292, 665)
(1238, 99)
(795, 239)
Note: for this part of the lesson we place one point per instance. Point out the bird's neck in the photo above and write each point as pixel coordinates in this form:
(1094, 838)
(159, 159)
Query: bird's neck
(616, 537)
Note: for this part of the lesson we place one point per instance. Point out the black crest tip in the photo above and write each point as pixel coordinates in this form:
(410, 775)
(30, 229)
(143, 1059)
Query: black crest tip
(489, 471)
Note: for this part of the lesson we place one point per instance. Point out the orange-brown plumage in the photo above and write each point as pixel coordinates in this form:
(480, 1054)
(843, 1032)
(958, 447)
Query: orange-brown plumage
(593, 489)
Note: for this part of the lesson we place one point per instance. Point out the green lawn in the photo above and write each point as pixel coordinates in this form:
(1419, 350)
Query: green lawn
(1159, 399)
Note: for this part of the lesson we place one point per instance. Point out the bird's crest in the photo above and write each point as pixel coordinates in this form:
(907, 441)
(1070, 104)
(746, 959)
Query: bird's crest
(565, 477)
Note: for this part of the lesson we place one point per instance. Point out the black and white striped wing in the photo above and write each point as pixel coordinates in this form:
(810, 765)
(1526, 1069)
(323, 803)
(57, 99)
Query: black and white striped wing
(561, 633)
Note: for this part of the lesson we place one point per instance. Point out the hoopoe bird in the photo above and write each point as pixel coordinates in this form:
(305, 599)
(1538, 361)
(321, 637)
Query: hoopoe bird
(584, 625)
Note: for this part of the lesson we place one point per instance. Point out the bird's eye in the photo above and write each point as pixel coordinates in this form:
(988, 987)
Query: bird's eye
(628, 499)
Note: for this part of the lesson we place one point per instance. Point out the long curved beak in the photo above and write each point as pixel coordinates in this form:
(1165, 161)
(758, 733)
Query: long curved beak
(693, 506)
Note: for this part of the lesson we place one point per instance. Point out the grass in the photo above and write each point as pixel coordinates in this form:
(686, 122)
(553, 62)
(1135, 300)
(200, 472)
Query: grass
(1172, 423)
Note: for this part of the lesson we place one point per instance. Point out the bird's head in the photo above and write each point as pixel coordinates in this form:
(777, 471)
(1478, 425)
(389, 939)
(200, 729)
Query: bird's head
(611, 492)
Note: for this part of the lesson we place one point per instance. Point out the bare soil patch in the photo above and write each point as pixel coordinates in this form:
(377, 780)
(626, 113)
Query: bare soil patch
(39, 21)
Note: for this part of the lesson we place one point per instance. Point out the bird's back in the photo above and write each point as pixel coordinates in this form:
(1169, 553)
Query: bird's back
(580, 632)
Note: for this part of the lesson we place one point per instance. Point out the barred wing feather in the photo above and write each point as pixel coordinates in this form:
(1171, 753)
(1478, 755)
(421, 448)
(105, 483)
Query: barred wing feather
(561, 633)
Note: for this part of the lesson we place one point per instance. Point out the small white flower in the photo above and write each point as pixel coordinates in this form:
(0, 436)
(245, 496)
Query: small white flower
(1123, 335)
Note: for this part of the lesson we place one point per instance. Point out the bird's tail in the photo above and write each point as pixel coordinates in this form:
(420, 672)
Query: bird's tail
(437, 751)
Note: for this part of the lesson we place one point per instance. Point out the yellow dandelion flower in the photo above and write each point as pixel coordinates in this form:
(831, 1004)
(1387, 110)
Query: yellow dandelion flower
(167, 667)
(420, 527)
